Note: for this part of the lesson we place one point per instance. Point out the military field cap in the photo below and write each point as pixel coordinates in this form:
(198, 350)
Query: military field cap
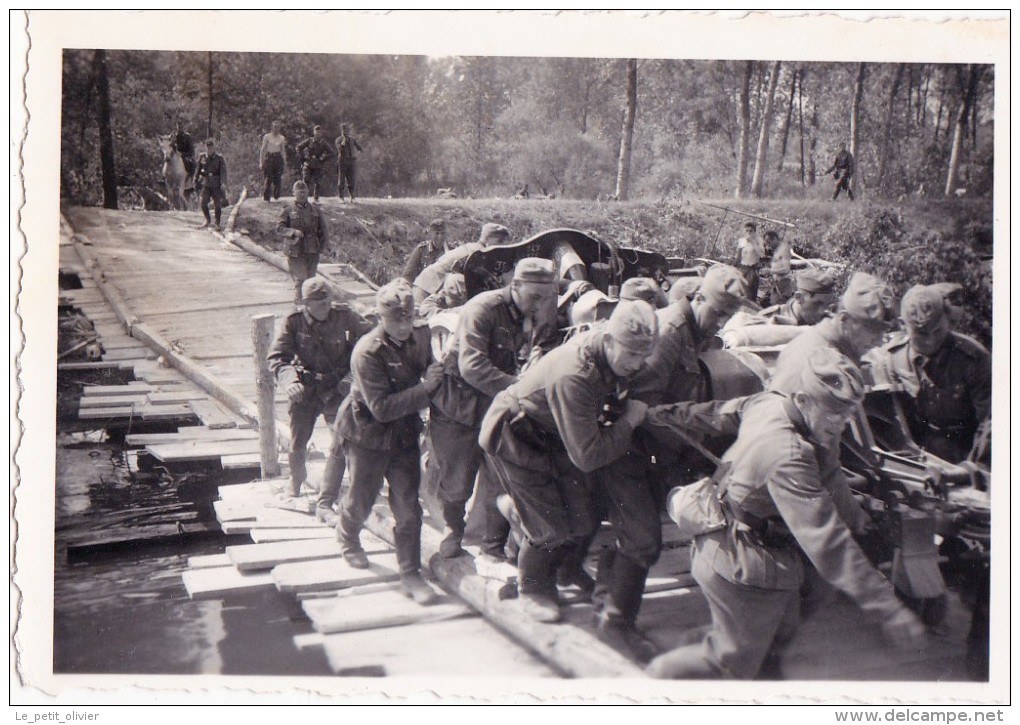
(831, 378)
(947, 289)
(922, 306)
(395, 299)
(493, 234)
(640, 288)
(317, 128)
(683, 288)
(817, 281)
(770, 234)
(723, 286)
(300, 186)
(437, 224)
(634, 325)
(868, 299)
(314, 288)
(535, 269)
(210, 141)
(750, 225)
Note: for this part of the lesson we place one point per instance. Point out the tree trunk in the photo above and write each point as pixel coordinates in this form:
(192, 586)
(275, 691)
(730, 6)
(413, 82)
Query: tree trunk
(105, 131)
(960, 131)
(855, 125)
(745, 130)
(208, 125)
(812, 163)
(800, 122)
(627, 138)
(786, 125)
(758, 180)
(883, 157)
(923, 106)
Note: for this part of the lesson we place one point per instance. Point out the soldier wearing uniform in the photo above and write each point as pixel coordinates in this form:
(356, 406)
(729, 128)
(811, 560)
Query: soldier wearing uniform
(314, 152)
(566, 417)
(780, 494)
(427, 252)
(781, 285)
(347, 161)
(498, 333)
(181, 140)
(843, 166)
(947, 376)
(453, 294)
(430, 280)
(810, 303)
(305, 237)
(379, 424)
(865, 314)
(310, 358)
(212, 175)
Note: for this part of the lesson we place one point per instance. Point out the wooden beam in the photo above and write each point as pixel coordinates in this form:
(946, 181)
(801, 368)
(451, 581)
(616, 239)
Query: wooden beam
(265, 385)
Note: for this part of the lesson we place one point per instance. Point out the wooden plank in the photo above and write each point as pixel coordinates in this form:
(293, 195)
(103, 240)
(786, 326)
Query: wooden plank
(222, 581)
(213, 414)
(324, 574)
(197, 450)
(470, 647)
(110, 401)
(255, 557)
(133, 388)
(106, 413)
(239, 461)
(206, 562)
(377, 611)
(268, 536)
(196, 433)
(176, 396)
(166, 412)
(132, 353)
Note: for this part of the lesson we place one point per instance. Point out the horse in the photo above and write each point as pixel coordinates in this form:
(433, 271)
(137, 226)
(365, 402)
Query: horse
(175, 176)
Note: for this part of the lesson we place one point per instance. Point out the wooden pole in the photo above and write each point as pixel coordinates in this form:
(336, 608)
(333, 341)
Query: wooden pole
(261, 339)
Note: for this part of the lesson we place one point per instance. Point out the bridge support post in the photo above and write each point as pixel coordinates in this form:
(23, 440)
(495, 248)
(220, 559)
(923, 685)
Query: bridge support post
(261, 338)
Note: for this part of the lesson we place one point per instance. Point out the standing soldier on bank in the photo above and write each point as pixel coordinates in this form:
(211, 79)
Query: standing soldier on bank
(310, 358)
(427, 252)
(212, 175)
(347, 161)
(566, 417)
(305, 237)
(497, 333)
(379, 425)
(272, 161)
(843, 170)
(314, 152)
(782, 501)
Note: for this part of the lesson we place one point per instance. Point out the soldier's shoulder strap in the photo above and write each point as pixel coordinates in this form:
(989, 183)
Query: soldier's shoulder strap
(969, 346)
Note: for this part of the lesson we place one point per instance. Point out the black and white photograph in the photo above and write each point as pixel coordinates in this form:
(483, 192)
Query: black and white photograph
(514, 356)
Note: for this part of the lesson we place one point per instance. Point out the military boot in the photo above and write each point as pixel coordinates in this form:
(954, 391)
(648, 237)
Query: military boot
(414, 587)
(616, 621)
(571, 569)
(453, 533)
(603, 580)
(537, 583)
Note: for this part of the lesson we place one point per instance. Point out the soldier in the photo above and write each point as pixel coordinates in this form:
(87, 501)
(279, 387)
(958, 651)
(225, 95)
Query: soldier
(781, 284)
(750, 253)
(566, 417)
(430, 280)
(843, 171)
(347, 161)
(630, 483)
(181, 140)
(864, 316)
(427, 252)
(305, 237)
(314, 152)
(453, 294)
(811, 302)
(379, 424)
(272, 161)
(779, 497)
(496, 336)
(212, 175)
(310, 358)
(947, 376)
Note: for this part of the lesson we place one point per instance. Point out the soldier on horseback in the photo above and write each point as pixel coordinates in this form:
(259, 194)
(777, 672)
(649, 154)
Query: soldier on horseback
(181, 140)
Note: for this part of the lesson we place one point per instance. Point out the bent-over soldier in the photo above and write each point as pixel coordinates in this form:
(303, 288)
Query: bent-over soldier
(305, 237)
(780, 495)
(566, 417)
(310, 358)
(379, 424)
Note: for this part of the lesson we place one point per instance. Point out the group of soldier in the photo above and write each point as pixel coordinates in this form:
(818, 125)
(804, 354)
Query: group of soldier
(552, 437)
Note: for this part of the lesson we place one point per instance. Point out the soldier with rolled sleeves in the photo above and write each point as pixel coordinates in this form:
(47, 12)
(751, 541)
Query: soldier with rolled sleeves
(497, 334)
(379, 424)
(947, 376)
(779, 497)
(566, 417)
(453, 294)
(430, 280)
(310, 358)
(427, 252)
(305, 237)
(630, 483)
(314, 152)
(865, 314)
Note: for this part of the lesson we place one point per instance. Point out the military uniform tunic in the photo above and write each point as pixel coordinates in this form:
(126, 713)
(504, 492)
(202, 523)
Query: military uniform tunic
(314, 153)
(316, 354)
(949, 392)
(791, 361)
(303, 254)
(379, 424)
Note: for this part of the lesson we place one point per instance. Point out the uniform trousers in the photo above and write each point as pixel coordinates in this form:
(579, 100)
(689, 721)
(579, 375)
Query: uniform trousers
(627, 486)
(273, 171)
(217, 197)
(314, 179)
(345, 176)
(303, 415)
(302, 267)
(748, 623)
(402, 470)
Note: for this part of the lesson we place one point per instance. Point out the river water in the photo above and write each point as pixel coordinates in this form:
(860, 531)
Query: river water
(127, 611)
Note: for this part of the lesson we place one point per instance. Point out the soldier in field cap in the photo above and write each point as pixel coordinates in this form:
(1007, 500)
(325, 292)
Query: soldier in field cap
(378, 425)
(305, 236)
(781, 501)
(499, 332)
(811, 302)
(427, 252)
(430, 280)
(643, 288)
(566, 417)
(946, 376)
